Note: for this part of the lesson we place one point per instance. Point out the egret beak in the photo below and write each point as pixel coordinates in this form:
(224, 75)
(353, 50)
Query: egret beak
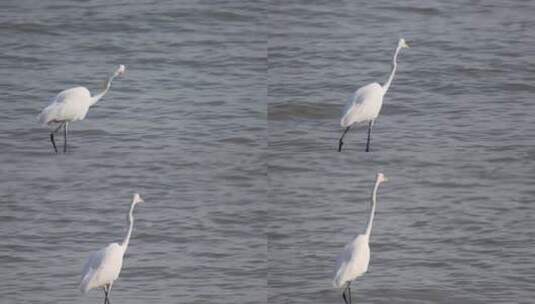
(121, 70)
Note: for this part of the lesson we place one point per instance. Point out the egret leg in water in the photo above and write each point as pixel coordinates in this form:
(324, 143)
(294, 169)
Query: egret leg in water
(340, 142)
(366, 102)
(109, 292)
(103, 266)
(369, 136)
(106, 295)
(72, 105)
(52, 136)
(353, 261)
(65, 136)
(348, 291)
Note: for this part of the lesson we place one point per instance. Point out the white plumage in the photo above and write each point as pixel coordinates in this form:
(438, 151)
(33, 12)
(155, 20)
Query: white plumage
(72, 105)
(69, 105)
(103, 267)
(353, 261)
(365, 104)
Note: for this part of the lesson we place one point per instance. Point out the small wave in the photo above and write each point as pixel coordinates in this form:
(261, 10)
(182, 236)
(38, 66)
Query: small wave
(288, 111)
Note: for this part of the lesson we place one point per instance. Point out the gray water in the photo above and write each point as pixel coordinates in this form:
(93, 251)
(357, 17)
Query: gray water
(185, 127)
(246, 196)
(455, 223)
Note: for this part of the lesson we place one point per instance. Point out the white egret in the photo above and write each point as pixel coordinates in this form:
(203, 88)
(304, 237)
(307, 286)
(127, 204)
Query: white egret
(354, 259)
(72, 105)
(366, 102)
(103, 267)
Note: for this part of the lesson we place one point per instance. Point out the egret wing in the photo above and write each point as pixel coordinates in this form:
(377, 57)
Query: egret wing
(342, 265)
(363, 105)
(102, 267)
(352, 261)
(71, 104)
(91, 265)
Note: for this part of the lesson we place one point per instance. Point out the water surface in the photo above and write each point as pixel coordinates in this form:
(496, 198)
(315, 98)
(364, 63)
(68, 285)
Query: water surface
(455, 222)
(185, 127)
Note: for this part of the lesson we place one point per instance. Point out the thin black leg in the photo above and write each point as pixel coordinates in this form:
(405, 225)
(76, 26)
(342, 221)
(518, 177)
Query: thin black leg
(105, 295)
(109, 293)
(65, 136)
(53, 143)
(52, 137)
(349, 291)
(340, 142)
(344, 296)
(369, 135)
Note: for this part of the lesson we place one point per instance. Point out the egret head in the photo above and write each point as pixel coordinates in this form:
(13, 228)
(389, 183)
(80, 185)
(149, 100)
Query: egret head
(137, 199)
(402, 43)
(381, 178)
(120, 71)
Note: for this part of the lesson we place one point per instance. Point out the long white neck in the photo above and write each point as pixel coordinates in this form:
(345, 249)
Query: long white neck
(96, 98)
(386, 86)
(372, 213)
(130, 219)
